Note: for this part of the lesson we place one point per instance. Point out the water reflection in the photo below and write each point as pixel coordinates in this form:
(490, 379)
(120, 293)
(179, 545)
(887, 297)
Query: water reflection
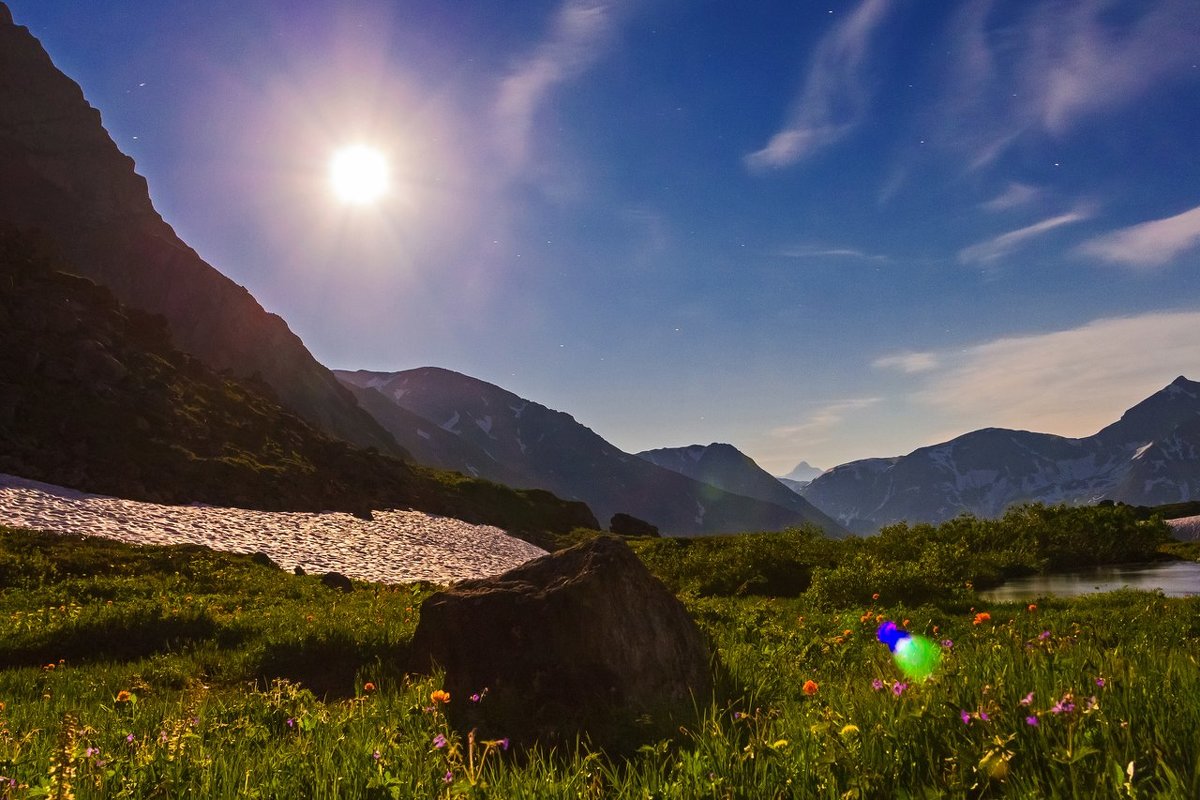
(1174, 578)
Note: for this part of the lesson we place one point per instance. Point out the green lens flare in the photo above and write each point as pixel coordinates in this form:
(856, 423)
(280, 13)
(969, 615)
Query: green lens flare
(917, 657)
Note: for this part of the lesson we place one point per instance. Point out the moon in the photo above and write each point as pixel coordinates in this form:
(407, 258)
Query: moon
(359, 175)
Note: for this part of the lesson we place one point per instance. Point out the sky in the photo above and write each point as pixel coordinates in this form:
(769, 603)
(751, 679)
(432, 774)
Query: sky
(819, 231)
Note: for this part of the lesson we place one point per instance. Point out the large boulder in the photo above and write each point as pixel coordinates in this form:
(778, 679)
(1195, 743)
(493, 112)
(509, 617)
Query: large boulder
(584, 642)
(627, 525)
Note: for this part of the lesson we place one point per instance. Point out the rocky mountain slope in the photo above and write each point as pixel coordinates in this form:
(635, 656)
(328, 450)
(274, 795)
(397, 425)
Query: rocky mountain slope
(61, 173)
(501, 436)
(726, 467)
(1151, 456)
(94, 396)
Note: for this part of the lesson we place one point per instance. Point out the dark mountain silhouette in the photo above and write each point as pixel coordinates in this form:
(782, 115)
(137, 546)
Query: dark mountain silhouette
(94, 396)
(726, 467)
(61, 173)
(500, 436)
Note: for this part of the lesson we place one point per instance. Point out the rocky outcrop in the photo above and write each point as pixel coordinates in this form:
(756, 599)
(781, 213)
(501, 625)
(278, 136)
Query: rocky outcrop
(625, 525)
(62, 174)
(582, 642)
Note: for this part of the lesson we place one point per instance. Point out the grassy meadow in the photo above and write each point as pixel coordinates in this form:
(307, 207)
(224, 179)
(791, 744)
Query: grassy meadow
(177, 672)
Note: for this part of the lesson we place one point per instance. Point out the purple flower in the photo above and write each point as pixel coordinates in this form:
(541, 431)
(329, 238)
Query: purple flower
(1100, 682)
(376, 755)
(1032, 721)
(947, 643)
(91, 751)
(291, 722)
(439, 741)
(1044, 635)
(1027, 699)
(448, 777)
(898, 688)
(877, 684)
(983, 715)
(129, 738)
(504, 743)
(475, 698)
(965, 717)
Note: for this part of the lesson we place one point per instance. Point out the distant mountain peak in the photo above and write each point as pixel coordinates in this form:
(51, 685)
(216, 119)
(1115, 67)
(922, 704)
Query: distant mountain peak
(803, 472)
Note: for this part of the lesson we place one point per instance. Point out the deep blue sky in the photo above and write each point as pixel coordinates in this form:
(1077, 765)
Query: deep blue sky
(817, 231)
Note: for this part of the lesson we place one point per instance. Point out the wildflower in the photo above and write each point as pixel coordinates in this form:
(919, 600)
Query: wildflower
(376, 755)
(1099, 682)
(1032, 607)
(439, 696)
(439, 741)
(1031, 721)
(877, 684)
(448, 777)
(947, 643)
(810, 687)
(898, 688)
(846, 632)
(91, 751)
(124, 696)
(1092, 704)
(875, 596)
(1043, 636)
(936, 629)
(129, 738)
(983, 715)
(504, 743)
(965, 717)
(291, 722)
(738, 715)
(982, 617)
(905, 623)
(1027, 699)
(475, 698)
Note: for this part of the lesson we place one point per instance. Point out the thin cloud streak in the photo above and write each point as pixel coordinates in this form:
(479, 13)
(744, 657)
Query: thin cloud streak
(578, 37)
(810, 251)
(990, 250)
(1015, 196)
(1057, 64)
(824, 419)
(1071, 382)
(834, 98)
(909, 363)
(1149, 244)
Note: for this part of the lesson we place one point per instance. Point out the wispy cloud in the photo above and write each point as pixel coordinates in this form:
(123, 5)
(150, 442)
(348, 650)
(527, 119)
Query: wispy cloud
(908, 362)
(834, 97)
(1014, 196)
(823, 419)
(990, 250)
(1150, 244)
(1070, 382)
(578, 37)
(1049, 66)
(817, 251)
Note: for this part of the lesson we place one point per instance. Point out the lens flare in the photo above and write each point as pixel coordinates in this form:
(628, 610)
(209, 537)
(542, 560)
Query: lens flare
(916, 656)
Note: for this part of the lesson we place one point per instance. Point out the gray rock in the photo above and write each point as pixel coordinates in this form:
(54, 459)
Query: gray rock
(582, 642)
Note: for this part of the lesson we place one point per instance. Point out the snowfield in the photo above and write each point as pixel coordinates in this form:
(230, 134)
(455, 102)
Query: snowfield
(394, 547)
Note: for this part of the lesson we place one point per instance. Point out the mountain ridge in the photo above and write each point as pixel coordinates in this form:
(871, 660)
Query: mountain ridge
(1150, 456)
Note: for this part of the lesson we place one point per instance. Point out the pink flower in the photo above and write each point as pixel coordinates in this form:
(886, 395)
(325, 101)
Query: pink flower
(965, 717)
(1031, 721)
(439, 741)
(898, 688)
(1027, 699)
(877, 684)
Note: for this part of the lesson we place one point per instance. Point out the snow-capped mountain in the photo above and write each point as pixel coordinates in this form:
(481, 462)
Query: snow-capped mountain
(457, 422)
(726, 467)
(802, 473)
(1149, 457)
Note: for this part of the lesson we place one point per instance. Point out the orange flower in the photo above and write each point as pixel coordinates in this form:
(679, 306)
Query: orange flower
(368, 687)
(124, 696)
(846, 632)
(440, 696)
(1033, 606)
(905, 623)
(982, 617)
(810, 687)
(875, 596)
(935, 628)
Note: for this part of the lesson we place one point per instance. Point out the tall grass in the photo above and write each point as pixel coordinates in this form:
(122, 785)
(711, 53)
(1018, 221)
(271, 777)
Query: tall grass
(241, 706)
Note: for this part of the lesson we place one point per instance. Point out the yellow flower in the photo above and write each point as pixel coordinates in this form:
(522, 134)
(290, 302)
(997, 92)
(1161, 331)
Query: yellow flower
(440, 696)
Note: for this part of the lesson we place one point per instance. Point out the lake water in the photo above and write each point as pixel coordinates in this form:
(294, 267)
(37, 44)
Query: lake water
(1174, 578)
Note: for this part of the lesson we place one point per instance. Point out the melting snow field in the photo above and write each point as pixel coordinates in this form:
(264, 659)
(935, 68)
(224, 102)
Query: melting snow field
(394, 547)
